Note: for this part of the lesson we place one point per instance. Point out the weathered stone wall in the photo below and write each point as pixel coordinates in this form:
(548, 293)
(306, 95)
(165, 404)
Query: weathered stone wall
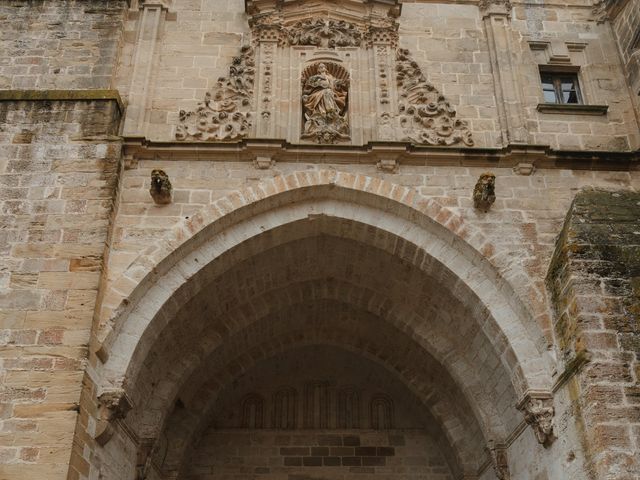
(349, 454)
(626, 26)
(57, 171)
(573, 33)
(66, 44)
(525, 219)
(594, 278)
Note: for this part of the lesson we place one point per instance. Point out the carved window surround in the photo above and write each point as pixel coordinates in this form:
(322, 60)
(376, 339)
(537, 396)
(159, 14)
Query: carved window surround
(558, 56)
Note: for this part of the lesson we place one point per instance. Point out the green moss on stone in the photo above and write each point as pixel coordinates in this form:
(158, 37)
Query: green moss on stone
(62, 95)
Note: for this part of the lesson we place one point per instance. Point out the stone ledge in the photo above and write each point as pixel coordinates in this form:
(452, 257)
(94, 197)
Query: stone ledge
(572, 108)
(62, 95)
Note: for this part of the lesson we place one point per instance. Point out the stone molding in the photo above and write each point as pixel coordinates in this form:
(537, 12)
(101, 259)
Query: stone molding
(139, 148)
(62, 95)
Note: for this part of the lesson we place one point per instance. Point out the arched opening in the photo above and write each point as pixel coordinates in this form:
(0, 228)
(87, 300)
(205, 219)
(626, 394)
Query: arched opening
(319, 310)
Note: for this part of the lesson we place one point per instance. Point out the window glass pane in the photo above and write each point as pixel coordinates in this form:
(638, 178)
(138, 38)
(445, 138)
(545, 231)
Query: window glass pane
(550, 96)
(560, 87)
(570, 97)
(570, 90)
(547, 82)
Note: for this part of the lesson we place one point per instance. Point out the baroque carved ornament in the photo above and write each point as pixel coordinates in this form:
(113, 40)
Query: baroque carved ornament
(423, 115)
(426, 117)
(225, 114)
(325, 91)
(325, 33)
(538, 413)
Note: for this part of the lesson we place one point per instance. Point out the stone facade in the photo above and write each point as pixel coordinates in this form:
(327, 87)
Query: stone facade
(318, 239)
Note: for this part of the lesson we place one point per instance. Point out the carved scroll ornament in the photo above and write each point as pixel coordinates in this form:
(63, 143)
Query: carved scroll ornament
(325, 89)
(426, 117)
(223, 115)
(325, 33)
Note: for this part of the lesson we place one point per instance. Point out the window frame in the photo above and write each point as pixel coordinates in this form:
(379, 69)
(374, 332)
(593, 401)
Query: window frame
(558, 73)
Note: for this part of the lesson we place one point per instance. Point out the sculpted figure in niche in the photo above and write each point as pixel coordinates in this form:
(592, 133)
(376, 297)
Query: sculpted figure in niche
(325, 100)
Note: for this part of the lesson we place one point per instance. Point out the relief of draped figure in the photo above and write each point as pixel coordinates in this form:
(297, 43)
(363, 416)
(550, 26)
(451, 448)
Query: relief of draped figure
(325, 91)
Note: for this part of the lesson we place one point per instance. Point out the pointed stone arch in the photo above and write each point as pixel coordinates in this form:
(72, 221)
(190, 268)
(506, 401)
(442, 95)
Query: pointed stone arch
(380, 215)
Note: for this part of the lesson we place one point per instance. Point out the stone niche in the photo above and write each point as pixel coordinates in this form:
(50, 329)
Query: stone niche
(326, 73)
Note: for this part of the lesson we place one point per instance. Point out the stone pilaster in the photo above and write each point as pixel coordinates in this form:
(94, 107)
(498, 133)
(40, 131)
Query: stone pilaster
(502, 52)
(149, 25)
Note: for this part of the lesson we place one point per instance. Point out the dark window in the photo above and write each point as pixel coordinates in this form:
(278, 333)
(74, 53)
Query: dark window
(560, 87)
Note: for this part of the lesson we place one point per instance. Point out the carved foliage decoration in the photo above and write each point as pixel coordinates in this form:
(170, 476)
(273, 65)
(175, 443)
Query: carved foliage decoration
(225, 114)
(325, 33)
(426, 117)
(325, 100)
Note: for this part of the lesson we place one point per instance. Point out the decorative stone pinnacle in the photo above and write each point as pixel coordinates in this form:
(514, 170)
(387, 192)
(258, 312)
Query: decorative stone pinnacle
(538, 412)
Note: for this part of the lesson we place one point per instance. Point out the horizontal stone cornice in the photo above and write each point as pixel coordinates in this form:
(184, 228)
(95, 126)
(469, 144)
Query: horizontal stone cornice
(371, 153)
(62, 95)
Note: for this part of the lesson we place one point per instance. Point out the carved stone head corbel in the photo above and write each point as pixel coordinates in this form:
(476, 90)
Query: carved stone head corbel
(538, 412)
(484, 193)
(113, 404)
(160, 187)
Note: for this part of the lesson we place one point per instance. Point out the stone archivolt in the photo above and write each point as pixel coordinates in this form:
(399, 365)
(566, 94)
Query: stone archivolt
(425, 115)
(225, 115)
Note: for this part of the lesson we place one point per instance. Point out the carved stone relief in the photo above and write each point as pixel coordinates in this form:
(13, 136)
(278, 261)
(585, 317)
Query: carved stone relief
(325, 99)
(484, 192)
(112, 405)
(538, 413)
(417, 112)
(326, 33)
(161, 188)
(225, 114)
(425, 115)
